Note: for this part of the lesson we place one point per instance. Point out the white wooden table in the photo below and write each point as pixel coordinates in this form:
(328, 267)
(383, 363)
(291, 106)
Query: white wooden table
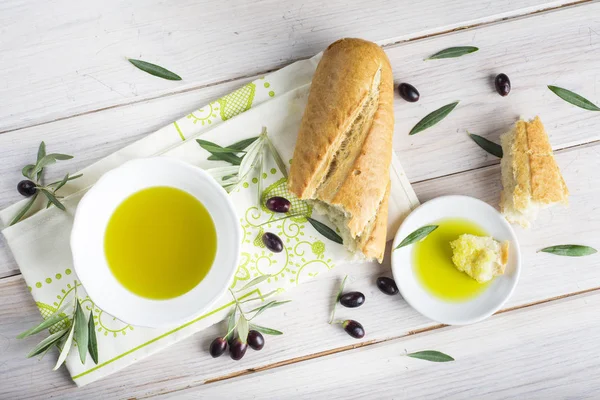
(64, 79)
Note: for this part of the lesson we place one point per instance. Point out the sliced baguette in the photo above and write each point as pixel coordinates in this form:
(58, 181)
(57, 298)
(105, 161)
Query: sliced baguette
(344, 148)
(531, 178)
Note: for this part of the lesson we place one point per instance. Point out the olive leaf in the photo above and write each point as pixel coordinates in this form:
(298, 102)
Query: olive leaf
(242, 328)
(261, 165)
(571, 250)
(23, 210)
(231, 324)
(489, 146)
(63, 181)
(573, 98)
(433, 118)
(43, 354)
(53, 319)
(261, 309)
(278, 160)
(241, 145)
(49, 159)
(337, 298)
(431, 355)
(220, 173)
(215, 148)
(417, 235)
(255, 282)
(26, 171)
(453, 52)
(228, 156)
(325, 230)
(47, 323)
(92, 342)
(155, 70)
(52, 198)
(250, 160)
(40, 154)
(81, 332)
(252, 156)
(66, 345)
(41, 151)
(47, 343)
(262, 297)
(266, 331)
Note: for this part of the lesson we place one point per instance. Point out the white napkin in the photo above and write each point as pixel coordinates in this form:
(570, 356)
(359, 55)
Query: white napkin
(40, 243)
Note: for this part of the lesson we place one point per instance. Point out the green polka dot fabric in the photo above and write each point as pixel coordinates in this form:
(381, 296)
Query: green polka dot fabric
(276, 102)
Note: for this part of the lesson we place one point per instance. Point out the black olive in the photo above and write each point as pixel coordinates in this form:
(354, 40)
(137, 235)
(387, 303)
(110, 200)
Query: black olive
(387, 285)
(218, 347)
(278, 204)
(26, 188)
(238, 349)
(408, 92)
(352, 299)
(502, 84)
(354, 328)
(272, 242)
(256, 340)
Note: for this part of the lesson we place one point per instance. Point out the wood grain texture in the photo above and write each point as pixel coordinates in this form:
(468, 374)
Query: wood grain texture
(548, 352)
(544, 276)
(62, 58)
(68, 60)
(516, 47)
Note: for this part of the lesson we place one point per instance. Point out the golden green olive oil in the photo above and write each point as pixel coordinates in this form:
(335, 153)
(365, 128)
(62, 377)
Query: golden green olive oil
(160, 242)
(432, 260)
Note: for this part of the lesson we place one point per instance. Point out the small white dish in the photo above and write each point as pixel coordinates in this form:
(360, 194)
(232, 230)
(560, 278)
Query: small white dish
(440, 310)
(91, 220)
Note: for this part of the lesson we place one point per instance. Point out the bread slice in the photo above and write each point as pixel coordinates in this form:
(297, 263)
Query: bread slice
(343, 152)
(480, 257)
(531, 178)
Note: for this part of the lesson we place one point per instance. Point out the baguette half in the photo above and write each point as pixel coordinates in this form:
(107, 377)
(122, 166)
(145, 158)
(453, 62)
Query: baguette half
(531, 178)
(343, 152)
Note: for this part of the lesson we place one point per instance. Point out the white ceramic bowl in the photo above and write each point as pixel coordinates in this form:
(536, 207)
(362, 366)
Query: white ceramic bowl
(484, 304)
(91, 219)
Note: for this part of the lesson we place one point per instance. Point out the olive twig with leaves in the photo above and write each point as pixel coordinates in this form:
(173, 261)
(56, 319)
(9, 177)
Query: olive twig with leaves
(33, 186)
(79, 331)
(241, 333)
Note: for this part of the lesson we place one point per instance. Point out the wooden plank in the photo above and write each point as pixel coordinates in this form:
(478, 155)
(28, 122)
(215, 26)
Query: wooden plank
(442, 150)
(70, 58)
(303, 321)
(545, 352)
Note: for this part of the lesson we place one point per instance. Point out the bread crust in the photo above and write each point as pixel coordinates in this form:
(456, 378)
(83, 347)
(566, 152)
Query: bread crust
(374, 245)
(351, 74)
(538, 176)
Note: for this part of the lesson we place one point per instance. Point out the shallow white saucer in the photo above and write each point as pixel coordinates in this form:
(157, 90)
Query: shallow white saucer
(91, 219)
(443, 311)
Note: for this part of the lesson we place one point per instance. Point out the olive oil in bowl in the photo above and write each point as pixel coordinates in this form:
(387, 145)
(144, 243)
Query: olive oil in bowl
(160, 242)
(433, 266)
